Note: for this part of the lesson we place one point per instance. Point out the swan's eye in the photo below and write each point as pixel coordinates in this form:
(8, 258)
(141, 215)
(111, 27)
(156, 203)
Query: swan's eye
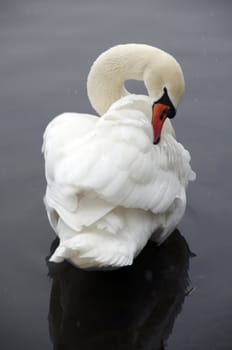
(170, 113)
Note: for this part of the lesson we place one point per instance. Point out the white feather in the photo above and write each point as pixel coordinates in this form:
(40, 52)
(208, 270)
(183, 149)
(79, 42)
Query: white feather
(108, 187)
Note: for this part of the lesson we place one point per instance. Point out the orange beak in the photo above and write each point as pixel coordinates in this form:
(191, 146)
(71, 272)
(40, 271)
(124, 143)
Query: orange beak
(158, 118)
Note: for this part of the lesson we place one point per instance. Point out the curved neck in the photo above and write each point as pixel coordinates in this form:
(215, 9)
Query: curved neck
(155, 67)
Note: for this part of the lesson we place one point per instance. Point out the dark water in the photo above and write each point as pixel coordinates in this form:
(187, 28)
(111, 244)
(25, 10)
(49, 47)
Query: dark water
(46, 49)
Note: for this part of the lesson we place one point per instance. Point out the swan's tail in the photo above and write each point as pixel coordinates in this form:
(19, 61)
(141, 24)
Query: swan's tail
(88, 250)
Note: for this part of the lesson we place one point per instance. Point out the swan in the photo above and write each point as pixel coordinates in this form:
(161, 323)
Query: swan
(116, 181)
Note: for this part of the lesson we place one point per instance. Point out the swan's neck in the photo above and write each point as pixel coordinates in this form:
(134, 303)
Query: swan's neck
(155, 67)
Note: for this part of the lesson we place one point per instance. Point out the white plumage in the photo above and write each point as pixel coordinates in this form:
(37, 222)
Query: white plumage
(108, 187)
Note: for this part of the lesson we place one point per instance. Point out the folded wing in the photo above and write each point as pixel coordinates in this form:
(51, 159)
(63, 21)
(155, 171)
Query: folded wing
(96, 164)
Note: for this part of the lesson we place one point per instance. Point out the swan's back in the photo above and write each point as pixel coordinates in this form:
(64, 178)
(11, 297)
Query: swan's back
(108, 186)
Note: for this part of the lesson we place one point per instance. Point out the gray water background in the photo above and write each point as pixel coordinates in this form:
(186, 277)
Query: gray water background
(46, 49)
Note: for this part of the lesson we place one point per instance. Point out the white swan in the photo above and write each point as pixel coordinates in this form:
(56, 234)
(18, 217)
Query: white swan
(114, 181)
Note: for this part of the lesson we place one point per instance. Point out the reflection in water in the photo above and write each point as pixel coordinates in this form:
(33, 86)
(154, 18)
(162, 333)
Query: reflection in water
(131, 308)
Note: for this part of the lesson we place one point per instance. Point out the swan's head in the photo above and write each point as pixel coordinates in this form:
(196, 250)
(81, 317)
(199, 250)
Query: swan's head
(161, 73)
(165, 85)
(162, 109)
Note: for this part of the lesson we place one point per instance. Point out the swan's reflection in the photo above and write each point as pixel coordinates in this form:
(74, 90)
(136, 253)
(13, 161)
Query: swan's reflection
(131, 308)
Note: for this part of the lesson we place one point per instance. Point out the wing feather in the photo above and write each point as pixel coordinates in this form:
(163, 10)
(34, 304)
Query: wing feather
(94, 165)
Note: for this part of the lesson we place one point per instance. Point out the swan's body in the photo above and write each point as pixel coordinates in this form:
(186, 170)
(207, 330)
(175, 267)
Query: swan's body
(108, 187)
